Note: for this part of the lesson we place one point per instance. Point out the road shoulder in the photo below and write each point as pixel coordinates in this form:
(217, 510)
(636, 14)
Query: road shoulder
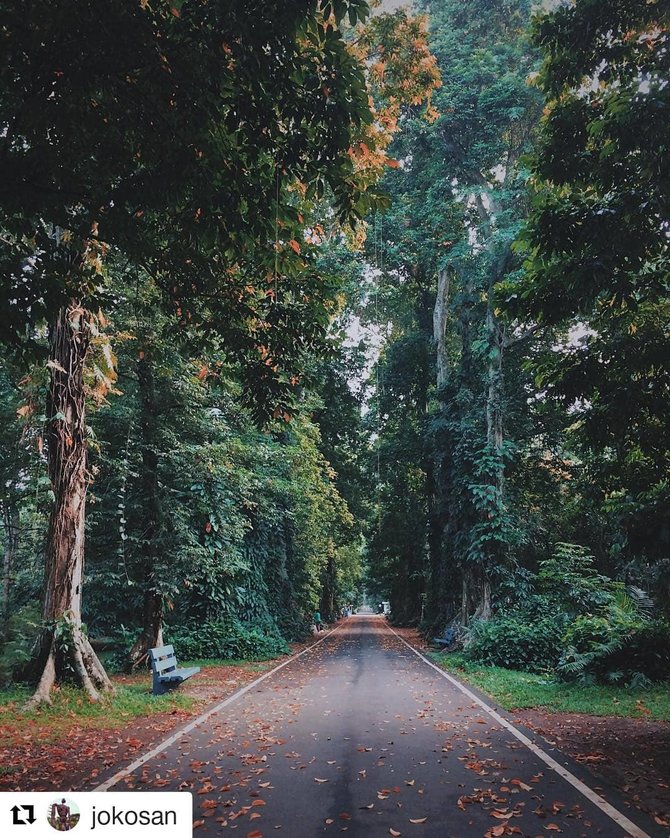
(627, 760)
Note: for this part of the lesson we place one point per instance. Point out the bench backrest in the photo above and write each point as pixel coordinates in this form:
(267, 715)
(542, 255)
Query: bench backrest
(162, 659)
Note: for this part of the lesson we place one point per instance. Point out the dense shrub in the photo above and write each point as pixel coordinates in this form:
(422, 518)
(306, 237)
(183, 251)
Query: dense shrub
(616, 648)
(227, 639)
(293, 625)
(514, 641)
(646, 652)
(17, 639)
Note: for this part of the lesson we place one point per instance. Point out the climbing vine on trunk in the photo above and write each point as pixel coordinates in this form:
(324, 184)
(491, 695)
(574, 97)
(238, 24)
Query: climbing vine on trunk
(63, 647)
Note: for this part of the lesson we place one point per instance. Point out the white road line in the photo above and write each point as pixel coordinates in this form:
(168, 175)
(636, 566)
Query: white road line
(124, 772)
(619, 818)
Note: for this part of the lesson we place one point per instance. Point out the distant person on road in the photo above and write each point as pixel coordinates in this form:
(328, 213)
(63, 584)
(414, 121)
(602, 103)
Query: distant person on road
(317, 621)
(63, 816)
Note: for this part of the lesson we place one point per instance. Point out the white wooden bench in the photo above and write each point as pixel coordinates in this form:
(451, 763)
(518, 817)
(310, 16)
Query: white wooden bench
(164, 667)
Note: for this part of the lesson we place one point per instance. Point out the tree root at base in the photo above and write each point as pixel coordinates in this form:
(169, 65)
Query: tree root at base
(89, 672)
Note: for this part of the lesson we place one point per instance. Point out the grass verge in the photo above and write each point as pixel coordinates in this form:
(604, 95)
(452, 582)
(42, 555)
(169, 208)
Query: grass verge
(515, 690)
(71, 707)
(132, 699)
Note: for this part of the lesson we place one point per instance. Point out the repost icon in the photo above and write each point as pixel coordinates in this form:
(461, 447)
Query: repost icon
(23, 815)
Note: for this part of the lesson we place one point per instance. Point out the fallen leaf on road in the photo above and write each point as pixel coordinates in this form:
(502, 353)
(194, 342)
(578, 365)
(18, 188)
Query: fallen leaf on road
(196, 824)
(394, 832)
(521, 785)
(320, 780)
(590, 758)
(418, 820)
(552, 827)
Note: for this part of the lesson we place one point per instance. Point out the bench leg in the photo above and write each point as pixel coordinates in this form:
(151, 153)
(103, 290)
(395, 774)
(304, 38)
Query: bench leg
(161, 687)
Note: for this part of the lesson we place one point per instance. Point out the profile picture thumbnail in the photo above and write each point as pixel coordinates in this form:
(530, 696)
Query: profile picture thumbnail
(63, 814)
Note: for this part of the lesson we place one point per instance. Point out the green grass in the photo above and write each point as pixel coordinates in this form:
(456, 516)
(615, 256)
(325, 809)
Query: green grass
(520, 690)
(132, 699)
(70, 706)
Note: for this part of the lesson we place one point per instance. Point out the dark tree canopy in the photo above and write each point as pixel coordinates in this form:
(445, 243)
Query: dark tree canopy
(172, 133)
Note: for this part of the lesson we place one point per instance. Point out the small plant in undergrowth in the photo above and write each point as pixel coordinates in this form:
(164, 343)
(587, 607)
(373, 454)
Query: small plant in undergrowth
(116, 661)
(620, 641)
(17, 640)
(616, 648)
(570, 579)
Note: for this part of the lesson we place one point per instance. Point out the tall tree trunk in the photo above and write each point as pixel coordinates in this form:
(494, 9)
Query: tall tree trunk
(465, 596)
(438, 605)
(328, 591)
(152, 612)
(440, 314)
(494, 403)
(495, 437)
(63, 646)
(10, 520)
(467, 377)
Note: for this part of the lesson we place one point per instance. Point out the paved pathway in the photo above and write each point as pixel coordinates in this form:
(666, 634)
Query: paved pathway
(361, 736)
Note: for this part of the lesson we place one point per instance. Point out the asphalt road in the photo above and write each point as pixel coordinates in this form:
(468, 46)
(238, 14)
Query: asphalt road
(359, 735)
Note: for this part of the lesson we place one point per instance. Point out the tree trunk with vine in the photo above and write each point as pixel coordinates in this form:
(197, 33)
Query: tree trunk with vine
(63, 650)
(439, 593)
(152, 612)
(327, 600)
(10, 516)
